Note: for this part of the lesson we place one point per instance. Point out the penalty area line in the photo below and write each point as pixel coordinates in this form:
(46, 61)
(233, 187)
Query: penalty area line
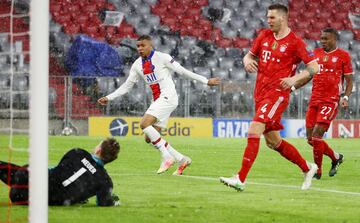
(278, 185)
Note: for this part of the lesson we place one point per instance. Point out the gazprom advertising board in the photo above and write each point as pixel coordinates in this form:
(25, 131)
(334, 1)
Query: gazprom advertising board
(238, 128)
(231, 128)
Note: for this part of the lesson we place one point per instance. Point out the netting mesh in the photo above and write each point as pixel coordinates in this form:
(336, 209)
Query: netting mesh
(14, 96)
(14, 69)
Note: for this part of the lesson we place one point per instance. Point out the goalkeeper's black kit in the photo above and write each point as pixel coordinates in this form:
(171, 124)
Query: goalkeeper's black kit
(78, 176)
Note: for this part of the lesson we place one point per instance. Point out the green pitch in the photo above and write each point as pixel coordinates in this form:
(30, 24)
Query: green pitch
(272, 192)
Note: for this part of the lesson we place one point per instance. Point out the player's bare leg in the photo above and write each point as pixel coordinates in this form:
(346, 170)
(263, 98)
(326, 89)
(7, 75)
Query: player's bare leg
(288, 151)
(320, 147)
(253, 142)
(146, 124)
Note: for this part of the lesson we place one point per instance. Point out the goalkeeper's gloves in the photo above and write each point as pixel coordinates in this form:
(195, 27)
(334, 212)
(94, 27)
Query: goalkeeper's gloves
(116, 200)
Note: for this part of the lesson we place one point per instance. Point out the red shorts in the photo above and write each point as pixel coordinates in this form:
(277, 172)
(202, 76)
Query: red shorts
(269, 111)
(321, 113)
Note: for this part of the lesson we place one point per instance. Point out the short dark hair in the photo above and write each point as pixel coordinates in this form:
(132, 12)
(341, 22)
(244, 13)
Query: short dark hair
(279, 7)
(332, 31)
(144, 37)
(110, 149)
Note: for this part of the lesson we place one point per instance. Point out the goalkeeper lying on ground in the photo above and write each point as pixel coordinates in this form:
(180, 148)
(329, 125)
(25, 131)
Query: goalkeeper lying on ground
(78, 176)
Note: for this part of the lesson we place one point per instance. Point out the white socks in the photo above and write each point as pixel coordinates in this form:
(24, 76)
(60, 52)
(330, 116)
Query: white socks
(165, 149)
(178, 156)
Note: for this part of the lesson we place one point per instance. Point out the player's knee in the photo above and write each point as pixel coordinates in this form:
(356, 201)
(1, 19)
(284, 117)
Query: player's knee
(147, 140)
(271, 144)
(143, 125)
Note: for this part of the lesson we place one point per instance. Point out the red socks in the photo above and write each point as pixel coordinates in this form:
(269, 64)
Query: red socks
(290, 153)
(328, 151)
(285, 149)
(318, 151)
(320, 147)
(251, 151)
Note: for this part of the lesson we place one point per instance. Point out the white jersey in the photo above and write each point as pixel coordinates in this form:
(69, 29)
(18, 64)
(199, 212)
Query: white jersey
(156, 71)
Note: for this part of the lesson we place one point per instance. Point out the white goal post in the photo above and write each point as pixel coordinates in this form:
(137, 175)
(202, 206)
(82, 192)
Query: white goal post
(38, 132)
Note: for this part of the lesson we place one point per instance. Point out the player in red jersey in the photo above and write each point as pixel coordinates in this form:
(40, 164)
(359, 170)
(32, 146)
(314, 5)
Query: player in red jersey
(334, 66)
(274, 56)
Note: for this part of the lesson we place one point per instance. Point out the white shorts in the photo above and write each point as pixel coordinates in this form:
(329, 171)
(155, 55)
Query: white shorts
(162, 109)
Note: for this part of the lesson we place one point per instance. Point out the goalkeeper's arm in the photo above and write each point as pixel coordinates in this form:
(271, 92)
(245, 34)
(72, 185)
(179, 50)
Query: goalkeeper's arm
(107, 198)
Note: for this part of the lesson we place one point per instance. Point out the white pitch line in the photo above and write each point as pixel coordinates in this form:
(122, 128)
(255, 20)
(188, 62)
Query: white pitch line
(254, 183)
(279, 185)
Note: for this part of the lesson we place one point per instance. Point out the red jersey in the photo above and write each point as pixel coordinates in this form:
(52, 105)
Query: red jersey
(277, 58)
(327, 84)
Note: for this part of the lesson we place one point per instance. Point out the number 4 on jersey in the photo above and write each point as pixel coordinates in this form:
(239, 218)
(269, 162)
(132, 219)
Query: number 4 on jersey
(263, 108)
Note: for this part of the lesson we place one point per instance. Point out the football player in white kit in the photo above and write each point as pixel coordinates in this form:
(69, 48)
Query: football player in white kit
(155, 69)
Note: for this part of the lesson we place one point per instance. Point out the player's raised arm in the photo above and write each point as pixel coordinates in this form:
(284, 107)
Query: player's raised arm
(176, 67)
(123, 89)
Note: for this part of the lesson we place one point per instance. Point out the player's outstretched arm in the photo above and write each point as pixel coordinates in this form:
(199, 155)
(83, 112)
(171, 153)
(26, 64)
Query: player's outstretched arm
(311, 69)
(123, 89)
(103, 100)
(250, 63)
(177, 68)
(214, 81)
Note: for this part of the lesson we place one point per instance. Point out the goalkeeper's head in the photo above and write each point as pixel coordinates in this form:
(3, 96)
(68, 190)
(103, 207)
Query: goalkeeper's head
(108, 150)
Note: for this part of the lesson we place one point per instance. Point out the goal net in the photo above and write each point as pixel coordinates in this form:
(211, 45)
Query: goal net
(24, 101)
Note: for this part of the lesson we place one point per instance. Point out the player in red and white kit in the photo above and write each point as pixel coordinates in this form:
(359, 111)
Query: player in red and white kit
(274, 55)
(155, 68)
(334, 66)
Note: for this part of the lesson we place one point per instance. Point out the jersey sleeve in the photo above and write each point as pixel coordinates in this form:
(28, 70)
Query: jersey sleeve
(347, 66)
(256, 47)
(176, 67)
(127, 85)
(301, 52)
(103, 195)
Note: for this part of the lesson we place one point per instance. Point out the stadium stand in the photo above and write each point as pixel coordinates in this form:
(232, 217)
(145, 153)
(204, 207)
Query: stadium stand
(181, 28)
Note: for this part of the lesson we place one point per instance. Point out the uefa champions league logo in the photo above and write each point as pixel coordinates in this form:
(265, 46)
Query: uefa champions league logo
(118, 127)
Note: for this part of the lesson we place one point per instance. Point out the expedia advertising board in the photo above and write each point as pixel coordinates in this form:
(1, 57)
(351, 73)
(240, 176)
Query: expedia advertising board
(130, 126)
